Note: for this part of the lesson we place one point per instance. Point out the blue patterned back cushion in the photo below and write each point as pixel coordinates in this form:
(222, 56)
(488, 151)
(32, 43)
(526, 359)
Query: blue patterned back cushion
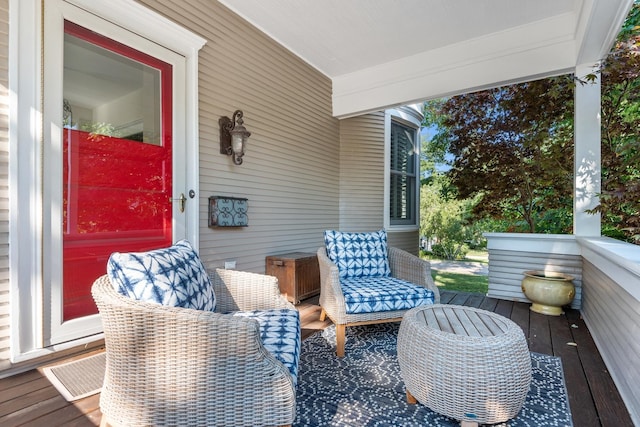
(358, 254)
(172, 276)
(383, 294)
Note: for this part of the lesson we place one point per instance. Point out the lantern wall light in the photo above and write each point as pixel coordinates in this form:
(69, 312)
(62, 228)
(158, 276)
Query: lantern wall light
(233, 136)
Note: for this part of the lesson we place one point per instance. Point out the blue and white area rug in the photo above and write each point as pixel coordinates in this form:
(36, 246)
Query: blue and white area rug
(365, 388)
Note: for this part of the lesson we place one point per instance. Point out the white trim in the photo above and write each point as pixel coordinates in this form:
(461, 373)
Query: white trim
(531, 242)
(387, 168)
(130, 14)
(496, 59)
(25, 208)
(26, 149)
(616, 259)
(587, 152)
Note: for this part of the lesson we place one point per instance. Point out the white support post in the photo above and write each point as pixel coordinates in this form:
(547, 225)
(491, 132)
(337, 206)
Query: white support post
(587, 161)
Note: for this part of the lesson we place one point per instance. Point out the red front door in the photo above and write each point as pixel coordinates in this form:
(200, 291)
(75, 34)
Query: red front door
(117, 159)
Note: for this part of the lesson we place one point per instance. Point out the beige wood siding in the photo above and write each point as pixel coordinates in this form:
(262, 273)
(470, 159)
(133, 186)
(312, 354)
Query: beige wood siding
(362, 179)
(290, 173)
(506, 267)
(362, 173)
(4, 181)
(612, 316)
(406, 240)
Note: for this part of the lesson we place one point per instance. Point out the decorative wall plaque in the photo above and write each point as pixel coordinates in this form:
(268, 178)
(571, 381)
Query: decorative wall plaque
(228, 211)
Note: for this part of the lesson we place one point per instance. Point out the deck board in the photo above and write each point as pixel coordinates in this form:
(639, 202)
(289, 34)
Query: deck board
(28, 399)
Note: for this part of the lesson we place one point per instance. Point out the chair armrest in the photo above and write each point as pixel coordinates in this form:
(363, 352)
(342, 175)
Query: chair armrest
(243, 291)
(331, 296)
(191, 357)
(413, 269)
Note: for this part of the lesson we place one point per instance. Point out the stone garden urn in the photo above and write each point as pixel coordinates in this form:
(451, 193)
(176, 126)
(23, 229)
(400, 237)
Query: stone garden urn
(548, 291)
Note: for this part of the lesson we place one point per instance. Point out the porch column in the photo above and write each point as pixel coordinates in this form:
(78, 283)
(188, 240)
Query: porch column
(587, 160)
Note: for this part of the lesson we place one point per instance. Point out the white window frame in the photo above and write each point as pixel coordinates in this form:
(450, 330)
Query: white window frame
(28, 213)
(410, 116)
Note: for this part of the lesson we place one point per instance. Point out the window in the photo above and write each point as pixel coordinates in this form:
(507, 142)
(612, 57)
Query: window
(402, 184)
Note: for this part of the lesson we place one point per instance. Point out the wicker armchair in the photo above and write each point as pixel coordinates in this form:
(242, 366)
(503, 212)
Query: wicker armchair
(178, 366)
(403, 266)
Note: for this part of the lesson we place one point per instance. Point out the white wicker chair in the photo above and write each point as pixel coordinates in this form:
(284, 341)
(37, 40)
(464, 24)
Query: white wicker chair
(178, 366)
(403, 266)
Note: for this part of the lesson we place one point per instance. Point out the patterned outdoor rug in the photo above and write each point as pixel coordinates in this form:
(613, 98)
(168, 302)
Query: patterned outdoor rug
(365, 388)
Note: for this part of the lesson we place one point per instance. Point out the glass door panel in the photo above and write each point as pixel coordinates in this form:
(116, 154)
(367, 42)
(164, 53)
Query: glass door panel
(117, 158)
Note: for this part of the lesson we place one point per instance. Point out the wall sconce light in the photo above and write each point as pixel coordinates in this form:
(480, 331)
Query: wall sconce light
(233, 136)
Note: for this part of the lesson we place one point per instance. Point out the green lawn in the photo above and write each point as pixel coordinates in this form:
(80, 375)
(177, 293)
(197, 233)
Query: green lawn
(460, 282)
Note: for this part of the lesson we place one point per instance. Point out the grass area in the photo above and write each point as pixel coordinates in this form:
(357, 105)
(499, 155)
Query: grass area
(478, 256)
(447, 281)
(472, 256)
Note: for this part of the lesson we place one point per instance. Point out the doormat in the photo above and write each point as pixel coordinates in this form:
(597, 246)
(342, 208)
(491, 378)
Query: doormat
(79, 378)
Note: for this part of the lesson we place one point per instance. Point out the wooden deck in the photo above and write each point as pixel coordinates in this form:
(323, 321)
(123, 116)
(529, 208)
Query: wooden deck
(29, 399)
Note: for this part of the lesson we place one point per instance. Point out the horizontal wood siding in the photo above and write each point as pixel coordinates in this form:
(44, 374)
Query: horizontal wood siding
(290, 173)
(613, 318)
(362, 179)
(362, 173)
(406, 240)
(4, 185)
(506, 268)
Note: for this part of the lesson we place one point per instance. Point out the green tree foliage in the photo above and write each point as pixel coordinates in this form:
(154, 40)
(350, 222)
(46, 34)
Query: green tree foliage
(515, 145)
(445, 220)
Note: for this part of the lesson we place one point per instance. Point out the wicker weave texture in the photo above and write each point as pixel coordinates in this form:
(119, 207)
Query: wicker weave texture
(403, 266)
(474, 367)
(177, 366)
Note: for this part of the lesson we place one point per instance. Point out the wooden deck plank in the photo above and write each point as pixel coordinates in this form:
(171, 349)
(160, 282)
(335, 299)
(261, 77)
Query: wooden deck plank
(474, 300)
(17, 380)
(607, 399)
(577, 387)
(539, 333)
(504, 308)
(459, 299)
(488, 304)
(520, 316)
(28, 399)
(32, 412)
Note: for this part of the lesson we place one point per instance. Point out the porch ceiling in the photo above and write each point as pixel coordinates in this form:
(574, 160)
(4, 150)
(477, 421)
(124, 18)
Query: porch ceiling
(381, 53)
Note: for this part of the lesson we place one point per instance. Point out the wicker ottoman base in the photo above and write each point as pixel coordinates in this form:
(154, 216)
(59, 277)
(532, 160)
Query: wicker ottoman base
(465, 363)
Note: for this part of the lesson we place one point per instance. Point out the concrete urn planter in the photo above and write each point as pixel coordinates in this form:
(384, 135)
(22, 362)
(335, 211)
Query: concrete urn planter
(548, 291)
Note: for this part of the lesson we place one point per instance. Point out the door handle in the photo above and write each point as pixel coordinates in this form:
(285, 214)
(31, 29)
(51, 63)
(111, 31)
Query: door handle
(181, 200)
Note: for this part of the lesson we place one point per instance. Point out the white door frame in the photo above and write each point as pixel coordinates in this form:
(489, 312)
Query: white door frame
(31, 234)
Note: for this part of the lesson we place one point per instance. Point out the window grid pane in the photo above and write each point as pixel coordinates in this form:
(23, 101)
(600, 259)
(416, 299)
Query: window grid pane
(403, 175)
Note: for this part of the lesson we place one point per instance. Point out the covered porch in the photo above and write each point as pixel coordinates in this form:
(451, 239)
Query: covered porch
(318, 159)
(29, 398)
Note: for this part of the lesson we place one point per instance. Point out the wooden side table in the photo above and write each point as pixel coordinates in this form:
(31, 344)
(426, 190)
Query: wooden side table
(298, 274)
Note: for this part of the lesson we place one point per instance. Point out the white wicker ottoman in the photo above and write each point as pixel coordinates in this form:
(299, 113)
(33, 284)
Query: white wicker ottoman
(468, 364)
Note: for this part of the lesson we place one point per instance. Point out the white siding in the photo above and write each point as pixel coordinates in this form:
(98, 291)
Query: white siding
(4, 188)
(506, 268)
(611, 310)
(613, 316)
(510, 254)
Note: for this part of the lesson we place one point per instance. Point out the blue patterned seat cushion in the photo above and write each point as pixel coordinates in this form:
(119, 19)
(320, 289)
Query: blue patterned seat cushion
(374, 294)
(358, 254)
(172, 276)
(280, 333)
